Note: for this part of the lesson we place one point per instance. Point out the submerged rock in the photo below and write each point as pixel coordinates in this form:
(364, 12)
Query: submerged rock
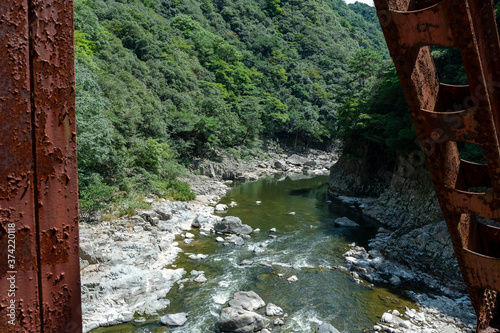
(278, 322)
(246, 262)
(236, 240)
(326, 328)
(345, 222)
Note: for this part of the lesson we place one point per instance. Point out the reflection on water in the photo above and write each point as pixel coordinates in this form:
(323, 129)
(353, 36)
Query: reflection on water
(307, 243)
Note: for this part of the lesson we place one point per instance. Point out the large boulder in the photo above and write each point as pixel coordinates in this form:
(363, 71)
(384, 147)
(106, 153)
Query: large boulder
(241, 321)
(232, 225)
(176, 319)
(296, 160)
(247, 300)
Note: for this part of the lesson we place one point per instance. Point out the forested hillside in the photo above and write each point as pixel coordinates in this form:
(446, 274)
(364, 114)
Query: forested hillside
(162, 81)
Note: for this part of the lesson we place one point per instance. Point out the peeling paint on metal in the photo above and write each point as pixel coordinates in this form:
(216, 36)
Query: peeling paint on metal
(38, 176)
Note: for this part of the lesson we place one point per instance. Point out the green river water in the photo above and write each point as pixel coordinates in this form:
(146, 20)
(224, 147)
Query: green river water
(305, 242)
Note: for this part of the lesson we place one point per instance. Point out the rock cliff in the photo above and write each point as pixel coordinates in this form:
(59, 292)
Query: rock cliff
(400, 195)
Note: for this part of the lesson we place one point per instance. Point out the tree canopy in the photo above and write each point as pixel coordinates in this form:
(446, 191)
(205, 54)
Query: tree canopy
(163, 81)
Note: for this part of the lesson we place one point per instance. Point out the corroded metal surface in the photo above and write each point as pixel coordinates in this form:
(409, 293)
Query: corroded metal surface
(16, 171)
(38, 176)
(444, 115)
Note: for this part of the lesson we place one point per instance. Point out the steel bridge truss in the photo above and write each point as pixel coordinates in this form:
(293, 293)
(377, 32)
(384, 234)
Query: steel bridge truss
(444, 115)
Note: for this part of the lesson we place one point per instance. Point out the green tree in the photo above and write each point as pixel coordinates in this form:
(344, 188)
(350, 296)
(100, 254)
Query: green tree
(364, 64)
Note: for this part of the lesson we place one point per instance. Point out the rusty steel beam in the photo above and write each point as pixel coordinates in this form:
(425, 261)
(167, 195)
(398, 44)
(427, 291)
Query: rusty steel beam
(39, 251)
(410, 28)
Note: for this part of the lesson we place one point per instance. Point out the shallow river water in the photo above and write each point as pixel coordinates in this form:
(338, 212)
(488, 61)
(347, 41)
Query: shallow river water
(306, 241)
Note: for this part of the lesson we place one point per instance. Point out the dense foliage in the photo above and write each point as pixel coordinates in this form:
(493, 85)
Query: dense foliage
(160, 81)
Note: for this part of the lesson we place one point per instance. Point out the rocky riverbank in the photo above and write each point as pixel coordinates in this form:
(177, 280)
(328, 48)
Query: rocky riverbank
(413, 247)
(449, 311)
(415, 234)
(127, 264)
(123, 262)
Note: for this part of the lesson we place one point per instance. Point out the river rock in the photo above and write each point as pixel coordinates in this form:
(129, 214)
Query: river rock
(232, 225)
(163, 213)
(200, 279)
(246, 262)
(387, 318)
(177, 319)
(280, 165)
(292, 278)
(236, 240)
(149, 215)
(296, 160)
(241, 321)
(220, 239)
(247, 300)
(273, 310)
(196, 273)
(87, 253)
(395, 281)
(345, 222)
(221, 208)
(197, 256)
(326, 328)
(200, 220)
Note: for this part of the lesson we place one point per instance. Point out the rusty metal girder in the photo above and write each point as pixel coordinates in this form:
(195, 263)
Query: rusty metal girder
(39, 250)
(410, 28)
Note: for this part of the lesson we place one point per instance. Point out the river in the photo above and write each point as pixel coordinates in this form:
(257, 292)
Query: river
(306, 244)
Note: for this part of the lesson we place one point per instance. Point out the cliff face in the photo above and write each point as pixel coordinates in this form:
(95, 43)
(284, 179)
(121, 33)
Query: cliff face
(360, 172)
(405, 203)
(409, 202)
